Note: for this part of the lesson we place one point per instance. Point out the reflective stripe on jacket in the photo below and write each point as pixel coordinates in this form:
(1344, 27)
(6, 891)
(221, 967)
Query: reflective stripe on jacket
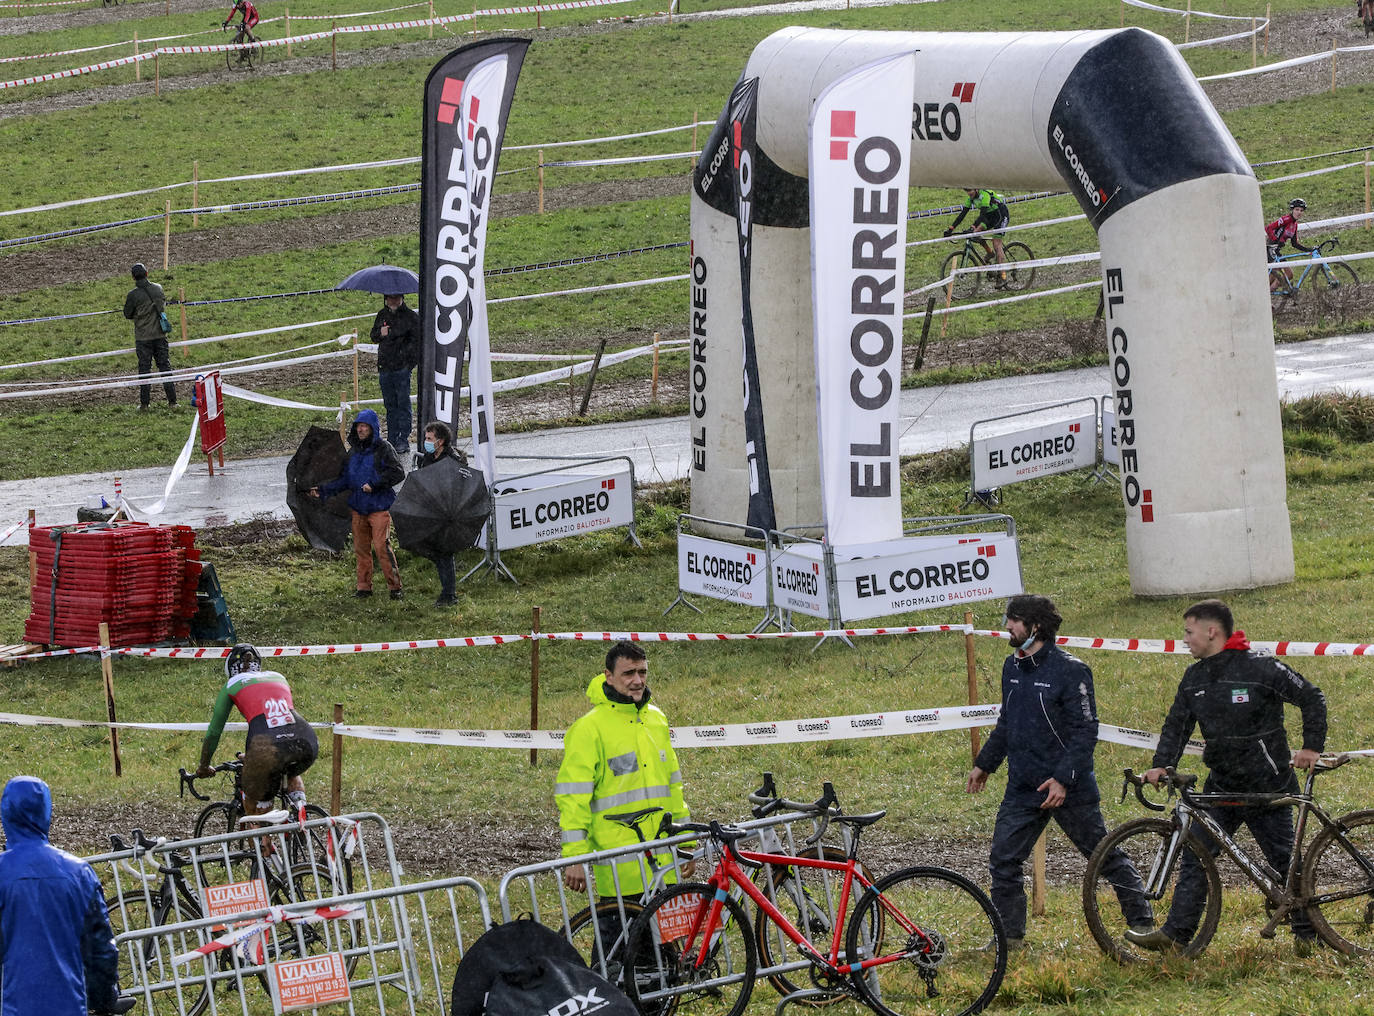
(616, 758)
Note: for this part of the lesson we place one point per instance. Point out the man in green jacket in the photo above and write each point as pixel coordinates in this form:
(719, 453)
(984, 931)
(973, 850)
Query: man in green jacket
(143, 306)
(617, 758)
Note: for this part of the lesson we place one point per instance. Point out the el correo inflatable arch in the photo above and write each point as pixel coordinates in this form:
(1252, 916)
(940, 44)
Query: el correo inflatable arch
(1120, 119)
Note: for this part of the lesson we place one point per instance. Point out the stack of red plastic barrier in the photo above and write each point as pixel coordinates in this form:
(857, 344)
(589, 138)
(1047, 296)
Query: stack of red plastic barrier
(138, 579)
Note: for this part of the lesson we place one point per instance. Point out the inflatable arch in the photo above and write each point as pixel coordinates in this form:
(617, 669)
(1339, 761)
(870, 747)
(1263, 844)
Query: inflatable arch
(1120, 119)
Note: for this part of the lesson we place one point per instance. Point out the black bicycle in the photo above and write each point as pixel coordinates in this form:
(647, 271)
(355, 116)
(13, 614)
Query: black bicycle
(241, 59)
(1334, 882)
(977, 252)
(171, 897)
(317, 844)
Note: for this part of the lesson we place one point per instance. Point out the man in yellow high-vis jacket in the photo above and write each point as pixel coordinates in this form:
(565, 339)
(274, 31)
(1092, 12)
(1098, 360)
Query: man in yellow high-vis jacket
(617, 758)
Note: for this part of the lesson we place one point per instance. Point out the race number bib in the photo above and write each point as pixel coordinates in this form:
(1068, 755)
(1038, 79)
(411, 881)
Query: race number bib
(277, 712)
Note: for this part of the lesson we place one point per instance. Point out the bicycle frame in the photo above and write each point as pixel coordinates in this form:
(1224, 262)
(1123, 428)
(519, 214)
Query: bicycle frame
(1310, 265)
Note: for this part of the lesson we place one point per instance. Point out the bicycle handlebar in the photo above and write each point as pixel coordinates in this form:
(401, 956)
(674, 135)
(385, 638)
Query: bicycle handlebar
(188, 779)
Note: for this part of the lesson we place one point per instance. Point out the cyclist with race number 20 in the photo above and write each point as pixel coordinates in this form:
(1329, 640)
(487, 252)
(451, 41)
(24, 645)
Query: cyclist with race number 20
(280, 741)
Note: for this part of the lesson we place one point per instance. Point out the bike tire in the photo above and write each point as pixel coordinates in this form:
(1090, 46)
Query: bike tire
(305, 882)
(582, 932)
(1346, 924)
(216, 865)
(1144, 842)
(1334, 292)
(953, 948)
(661, 958)
(135, 910)
(796, 891)
(965, 286)
(1017, 278)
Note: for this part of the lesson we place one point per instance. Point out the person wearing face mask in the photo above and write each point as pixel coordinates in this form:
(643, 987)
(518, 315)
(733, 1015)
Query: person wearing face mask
(1046, 732)
(438, 444)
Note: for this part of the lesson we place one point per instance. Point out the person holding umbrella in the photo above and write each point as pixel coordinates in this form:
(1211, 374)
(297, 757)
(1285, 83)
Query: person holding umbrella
(396, 330)
(369, 474)
(438, 444)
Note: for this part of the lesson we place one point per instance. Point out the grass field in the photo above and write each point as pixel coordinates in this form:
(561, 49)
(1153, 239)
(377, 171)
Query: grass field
(575, 84)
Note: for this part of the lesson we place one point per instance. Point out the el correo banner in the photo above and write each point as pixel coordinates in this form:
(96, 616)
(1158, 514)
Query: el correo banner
(859, 154)
(1059, 447)
(722, 571)
(583, 505)
(799, 581)
(466, 102)
(939, 573)
(1111, 450)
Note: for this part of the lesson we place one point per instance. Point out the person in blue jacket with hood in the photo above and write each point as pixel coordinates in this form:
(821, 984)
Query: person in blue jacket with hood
(369, 474)
(57, 953)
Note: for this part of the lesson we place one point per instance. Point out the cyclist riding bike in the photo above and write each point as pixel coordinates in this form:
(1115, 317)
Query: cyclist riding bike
(250, 16)
(993, 217)
(1284, 230)
(280, 742)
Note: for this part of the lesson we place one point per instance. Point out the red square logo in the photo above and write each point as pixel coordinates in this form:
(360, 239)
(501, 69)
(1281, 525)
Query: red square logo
(608, 484)
(841, 126)
(449, 99)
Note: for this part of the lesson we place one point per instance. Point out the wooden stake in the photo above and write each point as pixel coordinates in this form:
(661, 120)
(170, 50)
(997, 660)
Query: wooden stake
(1123, 13)
(541, 181)
(538, 18)
(534, 685)
(157, 74)
(107, 673)
(195, 192)
(1187, 20)
(333, 45)
(653, 385)
(336, 766)
(1254, 42)
(167, 237)
(1038, 876)
(591, 377)
(181, 305)
(1267, 16)
(971, 662)
(431, 19)
(288, 33)
(1333, 66)
(138, 64)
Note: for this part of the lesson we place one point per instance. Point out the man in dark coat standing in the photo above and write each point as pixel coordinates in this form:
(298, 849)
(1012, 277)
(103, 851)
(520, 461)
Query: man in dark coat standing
(396, 330)
(143, 306)
(1047, 732)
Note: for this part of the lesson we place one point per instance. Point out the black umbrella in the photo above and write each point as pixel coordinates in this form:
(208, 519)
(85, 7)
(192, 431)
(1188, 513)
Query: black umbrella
(384, 279)
(325, 523)
(441, 508)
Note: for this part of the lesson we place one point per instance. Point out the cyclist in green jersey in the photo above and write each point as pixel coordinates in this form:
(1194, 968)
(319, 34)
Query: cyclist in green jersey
(993, 217)
(280, 741)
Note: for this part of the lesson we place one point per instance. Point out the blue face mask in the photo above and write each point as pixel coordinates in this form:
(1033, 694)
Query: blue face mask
(429, 447)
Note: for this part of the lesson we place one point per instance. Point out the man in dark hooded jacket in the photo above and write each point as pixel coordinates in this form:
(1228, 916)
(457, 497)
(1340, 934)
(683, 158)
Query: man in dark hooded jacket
(369, 474)
(57, 953)
(143, 306)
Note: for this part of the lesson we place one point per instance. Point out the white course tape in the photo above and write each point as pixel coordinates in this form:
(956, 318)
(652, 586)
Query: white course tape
(178, 471)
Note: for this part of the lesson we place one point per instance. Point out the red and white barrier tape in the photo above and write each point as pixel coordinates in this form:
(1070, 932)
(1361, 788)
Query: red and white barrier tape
(1174, 647)
(277, 915)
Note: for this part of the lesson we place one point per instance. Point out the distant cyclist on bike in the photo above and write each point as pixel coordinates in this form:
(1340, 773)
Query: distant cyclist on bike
(250, 17)
(280, 742)
(993, 217)
(1283, 230)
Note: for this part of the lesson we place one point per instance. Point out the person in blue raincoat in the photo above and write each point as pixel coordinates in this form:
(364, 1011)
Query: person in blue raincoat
(370, 475)
(57, 953)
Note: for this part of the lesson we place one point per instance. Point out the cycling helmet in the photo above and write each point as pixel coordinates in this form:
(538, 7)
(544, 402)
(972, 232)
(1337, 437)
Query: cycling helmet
(242, 657)
(1297, 203)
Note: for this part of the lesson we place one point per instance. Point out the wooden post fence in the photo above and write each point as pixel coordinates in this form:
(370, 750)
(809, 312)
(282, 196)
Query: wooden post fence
(971, 664)
(336, 766)
(157, 73)
(591, 377)
(1333, 66)
(333, 45)
(107, 674)
(653, 384)
(431, 19)
(1268, 8)
(288, 33)
(138, 64)
(541, 181)
(1254, 42)
(1187, 20)
(534, 684)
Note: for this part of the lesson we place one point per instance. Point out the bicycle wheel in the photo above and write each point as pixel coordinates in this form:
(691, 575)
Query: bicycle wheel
(1017, 278)
(304, 883)
(133, 912)
(807, 897)
(964, 285)
(1333, 292)
(1144, 842)
(942, 941)
(1281, 300)
(1345, 922)
(664, 953)
(601, 932)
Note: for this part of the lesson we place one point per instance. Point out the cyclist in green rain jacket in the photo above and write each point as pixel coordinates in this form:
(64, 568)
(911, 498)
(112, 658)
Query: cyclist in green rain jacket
(616, 758)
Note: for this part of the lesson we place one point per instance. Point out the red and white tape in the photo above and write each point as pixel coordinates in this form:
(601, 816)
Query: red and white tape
(276, 915)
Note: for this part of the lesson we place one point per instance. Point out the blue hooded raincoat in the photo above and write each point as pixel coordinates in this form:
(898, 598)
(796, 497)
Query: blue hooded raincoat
(56, 948)
(371, 462)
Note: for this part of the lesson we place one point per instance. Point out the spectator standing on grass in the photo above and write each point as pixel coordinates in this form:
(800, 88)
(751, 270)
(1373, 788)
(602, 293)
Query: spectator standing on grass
(57, 953)
(1235, 695)
(1047, 733)
(144, 306)
(616, 758)
(369, 474)
(396, 330)
(438, 444)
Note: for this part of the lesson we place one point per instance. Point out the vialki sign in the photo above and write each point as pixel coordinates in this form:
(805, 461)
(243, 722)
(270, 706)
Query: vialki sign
(935, 572)
(1059, 447)
(722, 570)
(570, 508)
(309, 982)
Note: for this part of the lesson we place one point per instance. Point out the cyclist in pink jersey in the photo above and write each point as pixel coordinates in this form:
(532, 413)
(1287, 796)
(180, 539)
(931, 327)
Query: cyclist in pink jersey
(280, 741)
